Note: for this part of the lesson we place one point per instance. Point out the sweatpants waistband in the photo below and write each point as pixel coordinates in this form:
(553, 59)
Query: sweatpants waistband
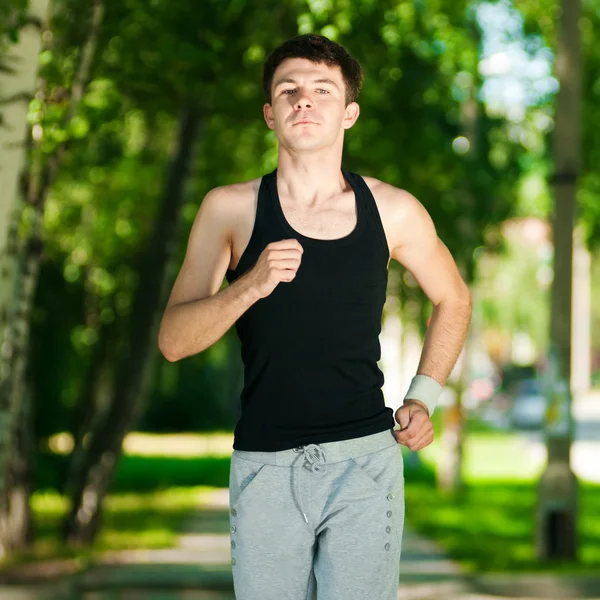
(333, 451)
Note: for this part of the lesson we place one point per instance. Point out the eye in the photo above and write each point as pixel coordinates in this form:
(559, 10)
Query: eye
(293, 90)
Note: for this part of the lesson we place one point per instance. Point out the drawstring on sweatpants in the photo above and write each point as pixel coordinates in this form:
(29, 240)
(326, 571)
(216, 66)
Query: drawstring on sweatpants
(313, 454)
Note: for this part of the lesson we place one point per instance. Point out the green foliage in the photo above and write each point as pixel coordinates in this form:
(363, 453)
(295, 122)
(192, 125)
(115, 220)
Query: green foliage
(541, 17)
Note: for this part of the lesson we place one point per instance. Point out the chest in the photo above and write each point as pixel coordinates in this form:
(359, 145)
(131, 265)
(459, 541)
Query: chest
(332, 221)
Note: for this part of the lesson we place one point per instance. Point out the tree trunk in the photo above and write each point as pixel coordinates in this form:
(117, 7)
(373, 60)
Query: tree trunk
(105, 442)
(93, 403)
(18, 86)
(18, 518)
(26, 277)
(556, 525)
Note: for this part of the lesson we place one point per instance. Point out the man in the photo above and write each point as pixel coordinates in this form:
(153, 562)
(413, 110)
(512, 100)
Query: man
(317, 479)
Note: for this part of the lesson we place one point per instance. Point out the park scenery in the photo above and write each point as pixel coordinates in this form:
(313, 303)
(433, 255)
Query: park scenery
(117, 117)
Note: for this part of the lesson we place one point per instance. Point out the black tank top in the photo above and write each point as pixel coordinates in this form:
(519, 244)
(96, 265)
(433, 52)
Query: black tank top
(310, 349)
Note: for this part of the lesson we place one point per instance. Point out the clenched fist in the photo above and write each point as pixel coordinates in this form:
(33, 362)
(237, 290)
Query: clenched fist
(416, 428)
(278, 262)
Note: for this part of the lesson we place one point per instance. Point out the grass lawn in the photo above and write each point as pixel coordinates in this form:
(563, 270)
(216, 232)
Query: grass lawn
(130, 521)
(491, 528)
(161, 479)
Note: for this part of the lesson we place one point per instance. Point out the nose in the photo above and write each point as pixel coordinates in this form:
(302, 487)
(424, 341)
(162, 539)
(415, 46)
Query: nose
(303, 101)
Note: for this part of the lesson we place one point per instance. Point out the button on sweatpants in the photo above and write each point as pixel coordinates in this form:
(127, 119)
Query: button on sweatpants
(318, 522)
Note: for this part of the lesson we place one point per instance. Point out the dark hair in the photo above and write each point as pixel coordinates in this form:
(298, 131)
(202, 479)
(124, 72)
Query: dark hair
(317, 49)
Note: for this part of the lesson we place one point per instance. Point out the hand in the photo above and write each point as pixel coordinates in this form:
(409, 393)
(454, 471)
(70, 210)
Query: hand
(278, 262)
(416, 428)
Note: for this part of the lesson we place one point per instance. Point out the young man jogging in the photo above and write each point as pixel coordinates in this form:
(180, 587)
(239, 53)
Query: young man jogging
(317, 477)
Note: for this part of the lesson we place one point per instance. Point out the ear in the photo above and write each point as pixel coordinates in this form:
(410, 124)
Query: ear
(268, 114)
(351, 114)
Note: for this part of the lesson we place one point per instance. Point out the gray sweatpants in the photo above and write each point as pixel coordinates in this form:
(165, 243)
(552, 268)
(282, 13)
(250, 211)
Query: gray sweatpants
(321, 521)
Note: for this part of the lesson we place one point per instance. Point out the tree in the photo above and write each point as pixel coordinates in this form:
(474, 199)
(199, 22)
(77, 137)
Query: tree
(17, 85)
(557, 501)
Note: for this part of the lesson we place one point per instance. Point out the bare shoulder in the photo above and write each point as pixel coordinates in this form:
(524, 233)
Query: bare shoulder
(240, 189)
(231, 199)
(233, 208)
(414, 243)
(228, 207)
(211, 244)
(400, 211)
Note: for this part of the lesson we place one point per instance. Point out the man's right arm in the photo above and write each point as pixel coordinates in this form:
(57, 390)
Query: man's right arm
(197, 313)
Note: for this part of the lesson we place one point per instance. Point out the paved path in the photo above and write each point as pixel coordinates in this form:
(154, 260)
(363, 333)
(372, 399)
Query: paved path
(199, 569)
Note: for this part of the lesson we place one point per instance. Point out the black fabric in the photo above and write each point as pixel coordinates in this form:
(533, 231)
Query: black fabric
(310, 349)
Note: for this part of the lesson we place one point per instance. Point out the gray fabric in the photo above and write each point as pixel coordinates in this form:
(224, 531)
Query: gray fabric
(318, 522)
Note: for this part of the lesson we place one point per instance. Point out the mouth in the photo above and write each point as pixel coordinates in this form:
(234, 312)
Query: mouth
(304, 123)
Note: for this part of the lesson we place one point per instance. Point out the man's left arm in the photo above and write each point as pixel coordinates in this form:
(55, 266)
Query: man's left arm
(425, 256)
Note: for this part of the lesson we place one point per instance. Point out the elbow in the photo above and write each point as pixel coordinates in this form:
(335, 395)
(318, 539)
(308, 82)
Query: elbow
(168, 353)
(170, 357)
(166, 347)
(464, 299)
(460, 299)
(462, 295)
(467, 298)
(467, 303)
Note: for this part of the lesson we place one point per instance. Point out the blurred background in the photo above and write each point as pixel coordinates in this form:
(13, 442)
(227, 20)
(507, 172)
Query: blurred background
(117, 117)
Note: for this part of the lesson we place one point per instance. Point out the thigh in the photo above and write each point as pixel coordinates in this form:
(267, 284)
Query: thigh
(271, 545)
(359, 544)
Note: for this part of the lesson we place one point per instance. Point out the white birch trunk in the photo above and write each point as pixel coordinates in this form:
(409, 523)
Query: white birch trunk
(16, 89)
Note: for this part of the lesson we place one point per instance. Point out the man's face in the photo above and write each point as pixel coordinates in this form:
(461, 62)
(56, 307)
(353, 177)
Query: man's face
(308, 108)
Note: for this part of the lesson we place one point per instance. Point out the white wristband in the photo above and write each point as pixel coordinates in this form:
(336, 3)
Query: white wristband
(426, 389)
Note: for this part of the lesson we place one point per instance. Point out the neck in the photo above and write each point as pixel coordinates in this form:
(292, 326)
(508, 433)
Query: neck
(309, 180)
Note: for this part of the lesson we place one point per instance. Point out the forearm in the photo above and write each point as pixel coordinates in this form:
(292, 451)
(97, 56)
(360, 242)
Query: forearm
(189, 328)
(445, 338)
(443, 342)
